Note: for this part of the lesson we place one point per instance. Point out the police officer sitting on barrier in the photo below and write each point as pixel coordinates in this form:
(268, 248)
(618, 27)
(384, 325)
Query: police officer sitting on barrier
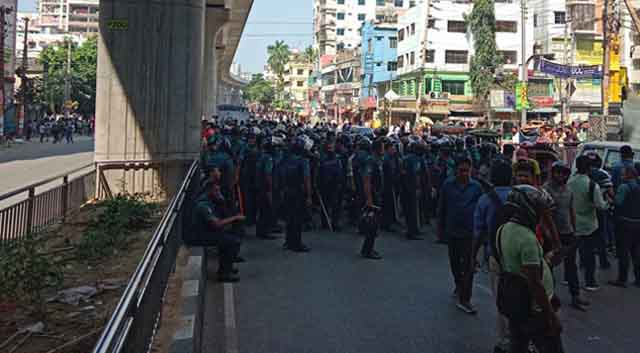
(210, 228)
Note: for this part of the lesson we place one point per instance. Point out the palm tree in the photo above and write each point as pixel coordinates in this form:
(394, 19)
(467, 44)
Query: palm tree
(310, 55)
(278, 59)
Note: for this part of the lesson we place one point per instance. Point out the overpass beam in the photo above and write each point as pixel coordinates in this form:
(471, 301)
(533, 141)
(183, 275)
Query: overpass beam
(149, 89)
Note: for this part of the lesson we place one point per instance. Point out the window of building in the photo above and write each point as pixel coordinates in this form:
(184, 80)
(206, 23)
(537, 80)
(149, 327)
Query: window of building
(340, 2)
(509, 56)
(535, 20)
(393, 42)
(413, 28)
(431, 23)
(456, 56)
(456, 27)
(370, 46)
(300, 83)
(340, 15)
(580, 11)
(507, 26)
(362, 17)
(379, 2)
(340, 31)
(399, 3)
(361, 2)
(379, 38)
(340, 46)
(413, 58)
(453, 87)
(379, 18)
(300, 72)
(636, 64)
(401, 35)
(430, 55)
(392, 66)
(559, 17)
(400, 62)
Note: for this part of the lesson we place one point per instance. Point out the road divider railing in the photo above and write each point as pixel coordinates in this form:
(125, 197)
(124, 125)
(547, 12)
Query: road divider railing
(135, 321)
(41, 204)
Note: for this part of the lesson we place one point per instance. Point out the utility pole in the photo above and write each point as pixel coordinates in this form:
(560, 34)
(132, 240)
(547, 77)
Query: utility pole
(67, 83)
(564, 83)
(3, 12)
(606, 48)
(421, 61)
(523, 56)
(22, 102)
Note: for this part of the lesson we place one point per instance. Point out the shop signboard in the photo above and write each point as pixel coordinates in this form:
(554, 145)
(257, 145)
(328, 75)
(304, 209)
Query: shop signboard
(566, 71)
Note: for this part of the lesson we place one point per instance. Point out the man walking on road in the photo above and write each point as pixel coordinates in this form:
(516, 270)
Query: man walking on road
(458, 199)
(587, 199)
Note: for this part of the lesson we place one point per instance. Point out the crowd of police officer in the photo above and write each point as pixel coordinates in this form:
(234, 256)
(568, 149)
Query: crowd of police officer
(270, 171)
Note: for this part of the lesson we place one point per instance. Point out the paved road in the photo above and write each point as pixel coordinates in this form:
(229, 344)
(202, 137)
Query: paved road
(331, 301)
(31, 162)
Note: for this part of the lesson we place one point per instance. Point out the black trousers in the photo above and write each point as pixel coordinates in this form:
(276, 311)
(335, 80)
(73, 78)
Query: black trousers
(533, 330)
(332, 198)
(249, 197)
(410, 208)
(628, 249)
(460, 250)
(570, 245)
(295, 217)
(588, 246)
(388, 207)
(228, 248)
(265, 217)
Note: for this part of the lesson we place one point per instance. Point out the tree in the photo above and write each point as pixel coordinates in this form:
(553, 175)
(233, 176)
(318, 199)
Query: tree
(278, 59)
(84, 61)
(482, 23)
(259, 90)
(310, 55)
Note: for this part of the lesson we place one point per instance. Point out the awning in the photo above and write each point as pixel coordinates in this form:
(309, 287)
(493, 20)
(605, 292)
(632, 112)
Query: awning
(544, 110)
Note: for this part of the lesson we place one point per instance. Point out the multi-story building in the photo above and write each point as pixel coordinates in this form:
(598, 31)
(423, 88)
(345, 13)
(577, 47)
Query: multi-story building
(337, 22)
(434, 51)
(340, 86)
(296, 80)
(582, 41)
(72, 16)
(379, 50)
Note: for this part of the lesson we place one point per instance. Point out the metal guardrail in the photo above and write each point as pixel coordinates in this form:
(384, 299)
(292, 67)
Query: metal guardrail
(38, 211)
(135, 321)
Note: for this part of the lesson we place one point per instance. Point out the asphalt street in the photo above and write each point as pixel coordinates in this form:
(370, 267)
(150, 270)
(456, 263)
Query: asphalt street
(30, 162)
(332, 301)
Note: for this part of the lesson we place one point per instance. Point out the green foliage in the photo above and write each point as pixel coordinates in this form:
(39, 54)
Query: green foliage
(123, 215)
(26, 271)
(259, 90)
(482, 23)
(310, 55)
(84, 61)
(278, 58)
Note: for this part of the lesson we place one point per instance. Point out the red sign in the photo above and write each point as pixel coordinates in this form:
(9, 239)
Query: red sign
(542, 102)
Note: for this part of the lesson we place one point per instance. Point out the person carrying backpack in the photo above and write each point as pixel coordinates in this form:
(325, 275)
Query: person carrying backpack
(487, 218)
(627, 219)
(525, 287)
(564, 217)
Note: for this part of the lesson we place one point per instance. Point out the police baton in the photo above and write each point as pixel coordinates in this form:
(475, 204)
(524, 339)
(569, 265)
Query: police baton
(324, 210)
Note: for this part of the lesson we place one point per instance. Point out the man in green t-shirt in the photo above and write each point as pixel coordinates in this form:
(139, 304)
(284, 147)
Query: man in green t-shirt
(521, 254)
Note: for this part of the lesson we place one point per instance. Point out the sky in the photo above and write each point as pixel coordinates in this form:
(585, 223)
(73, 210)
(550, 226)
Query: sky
(269, 20)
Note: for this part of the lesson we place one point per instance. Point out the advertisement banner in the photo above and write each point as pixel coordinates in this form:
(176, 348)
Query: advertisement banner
(497, 98)
(566, 71)
(589, 52)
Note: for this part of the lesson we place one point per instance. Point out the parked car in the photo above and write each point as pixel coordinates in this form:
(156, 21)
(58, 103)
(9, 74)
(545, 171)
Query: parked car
(609, 152)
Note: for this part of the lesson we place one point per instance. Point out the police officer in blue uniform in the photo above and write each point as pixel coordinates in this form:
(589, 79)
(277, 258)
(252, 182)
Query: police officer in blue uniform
(331, 180)
(248, 181)
(264, 190)
(297, 194)
(391, 169)
(371, 180)
(412, 172)
(210, 228)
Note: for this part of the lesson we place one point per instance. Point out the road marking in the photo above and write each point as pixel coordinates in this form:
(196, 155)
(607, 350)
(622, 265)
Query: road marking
(231, 334)
(185, 331)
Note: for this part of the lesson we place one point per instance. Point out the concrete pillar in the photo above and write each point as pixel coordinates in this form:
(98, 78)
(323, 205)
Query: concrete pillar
(149, 89)
(215, 19)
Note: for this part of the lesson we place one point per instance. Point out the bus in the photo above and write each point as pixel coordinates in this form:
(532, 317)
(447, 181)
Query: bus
(228, 113)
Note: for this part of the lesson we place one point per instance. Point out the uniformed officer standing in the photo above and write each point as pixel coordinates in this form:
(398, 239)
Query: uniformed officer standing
(371, 176)
(391, 171)
(264, 190)
(210, 221)
(412, 171)
(331, 181)
(248, 182)
(297, 194)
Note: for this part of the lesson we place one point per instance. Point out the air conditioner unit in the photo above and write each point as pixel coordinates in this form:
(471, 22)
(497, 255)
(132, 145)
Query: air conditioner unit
(444, 95)
(434, 95)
